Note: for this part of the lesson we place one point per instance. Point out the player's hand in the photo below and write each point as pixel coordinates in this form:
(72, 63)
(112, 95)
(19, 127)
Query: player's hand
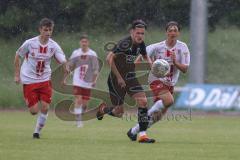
(17, 79)
(121, 82)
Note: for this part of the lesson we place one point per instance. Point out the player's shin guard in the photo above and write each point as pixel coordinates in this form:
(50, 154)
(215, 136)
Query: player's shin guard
(143, 119)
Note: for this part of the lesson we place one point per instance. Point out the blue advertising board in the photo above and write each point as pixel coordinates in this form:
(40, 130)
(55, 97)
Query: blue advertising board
(209, 97)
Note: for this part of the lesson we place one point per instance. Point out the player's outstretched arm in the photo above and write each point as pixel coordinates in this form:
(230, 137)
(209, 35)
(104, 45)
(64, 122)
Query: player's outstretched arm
(17, 62)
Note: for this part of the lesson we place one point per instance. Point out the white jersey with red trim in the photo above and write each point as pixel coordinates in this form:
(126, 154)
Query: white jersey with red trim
(162, 51)
(86, 65)
(37, 60)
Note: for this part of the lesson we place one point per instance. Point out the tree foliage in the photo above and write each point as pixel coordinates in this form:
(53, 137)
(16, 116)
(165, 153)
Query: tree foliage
(19, 16)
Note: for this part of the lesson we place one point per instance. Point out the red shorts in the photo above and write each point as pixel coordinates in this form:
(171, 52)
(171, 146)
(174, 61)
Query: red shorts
(84, 92)
(35, 92)
(158, 87)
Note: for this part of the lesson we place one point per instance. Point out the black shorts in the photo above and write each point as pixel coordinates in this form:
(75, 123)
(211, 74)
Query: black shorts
(117, 93)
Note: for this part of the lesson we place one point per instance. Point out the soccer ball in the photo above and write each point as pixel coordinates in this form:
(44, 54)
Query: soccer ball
(160, 68)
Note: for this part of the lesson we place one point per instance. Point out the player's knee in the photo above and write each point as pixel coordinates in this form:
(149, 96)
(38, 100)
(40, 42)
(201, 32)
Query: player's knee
(33, 112)
(168, 100)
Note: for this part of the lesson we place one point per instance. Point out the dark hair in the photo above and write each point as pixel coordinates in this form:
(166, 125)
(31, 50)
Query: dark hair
(138, 24)
(84, 36)
(46, 22)
(172, 23)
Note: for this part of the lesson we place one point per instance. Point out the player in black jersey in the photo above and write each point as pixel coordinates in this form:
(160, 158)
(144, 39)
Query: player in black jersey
(122, 78)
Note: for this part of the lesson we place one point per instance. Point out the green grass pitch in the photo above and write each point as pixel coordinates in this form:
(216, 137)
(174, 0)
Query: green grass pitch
(203, 137)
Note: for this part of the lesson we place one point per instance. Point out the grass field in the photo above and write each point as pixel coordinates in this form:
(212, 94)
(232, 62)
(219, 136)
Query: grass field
(203, 137)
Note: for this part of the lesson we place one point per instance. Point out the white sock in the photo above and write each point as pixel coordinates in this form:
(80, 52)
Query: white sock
(142, 133)
(40, 122)
(155, 108)
(135, 129)
(78, 111)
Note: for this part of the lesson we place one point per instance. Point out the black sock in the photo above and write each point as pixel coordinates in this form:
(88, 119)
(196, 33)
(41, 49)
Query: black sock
(143, 119)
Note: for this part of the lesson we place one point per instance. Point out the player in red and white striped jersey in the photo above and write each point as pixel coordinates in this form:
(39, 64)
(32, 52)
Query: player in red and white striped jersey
(85, 63)
(178, 56)
(35, 72)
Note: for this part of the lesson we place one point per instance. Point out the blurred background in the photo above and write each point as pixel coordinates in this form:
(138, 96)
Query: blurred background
(108, 20)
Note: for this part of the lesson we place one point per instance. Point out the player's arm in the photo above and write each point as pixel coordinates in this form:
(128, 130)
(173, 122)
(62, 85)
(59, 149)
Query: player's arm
(138, 59)
(110, 60)
(145, 55)
(95, 70)
(147, 59)
(69, 66)
(185, 60)
(21, 52)
(17, 62)
(61, 58)
(182, 67)
(66, 71)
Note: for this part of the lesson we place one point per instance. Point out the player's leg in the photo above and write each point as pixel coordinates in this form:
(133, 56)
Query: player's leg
(31, 98)
(78, 102)
(143, 119)
(82, 105)
(41, 120)
(78, 110)
(34, 109)
(115, 111)
(156, 112)
(45, 95)
(117, 95)
(163, 100)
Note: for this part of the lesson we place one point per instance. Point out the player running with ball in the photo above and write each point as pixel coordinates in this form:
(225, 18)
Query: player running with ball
(122, 78)
(35, 71)
(176, 53)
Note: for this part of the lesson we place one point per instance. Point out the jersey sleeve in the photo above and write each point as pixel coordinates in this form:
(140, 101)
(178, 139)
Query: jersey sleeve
(185, 55)
(24, 49)
(95, 63)
(150, 50)
(74, 54)
(59, 55)
(143, 49)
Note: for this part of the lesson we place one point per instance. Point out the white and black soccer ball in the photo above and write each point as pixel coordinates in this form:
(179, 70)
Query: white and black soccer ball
(160, 68)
